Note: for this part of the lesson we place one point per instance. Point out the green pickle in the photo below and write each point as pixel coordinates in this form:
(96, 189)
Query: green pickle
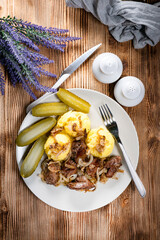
(33, 157)
(35, 131)
(73, 100)
(49, 109)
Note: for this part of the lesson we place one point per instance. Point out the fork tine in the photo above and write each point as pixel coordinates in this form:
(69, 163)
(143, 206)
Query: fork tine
(101, 113)
(109, 110)
(106, 114)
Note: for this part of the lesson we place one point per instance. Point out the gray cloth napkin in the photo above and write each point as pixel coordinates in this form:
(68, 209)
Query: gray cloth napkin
(126, 19)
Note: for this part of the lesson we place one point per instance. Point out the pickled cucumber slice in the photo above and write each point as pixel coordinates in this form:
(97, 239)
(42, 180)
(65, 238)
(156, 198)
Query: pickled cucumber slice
(35, 131)
(32, 159)
(49, 109)
(73, 100)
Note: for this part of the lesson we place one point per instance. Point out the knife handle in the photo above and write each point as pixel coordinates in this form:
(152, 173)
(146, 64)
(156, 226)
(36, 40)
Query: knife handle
(62, 78)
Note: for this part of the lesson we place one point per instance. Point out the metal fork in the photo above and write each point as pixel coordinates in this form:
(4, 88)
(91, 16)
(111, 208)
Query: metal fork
(111, 125)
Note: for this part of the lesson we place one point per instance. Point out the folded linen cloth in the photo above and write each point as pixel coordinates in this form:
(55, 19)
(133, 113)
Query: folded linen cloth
(126, 19)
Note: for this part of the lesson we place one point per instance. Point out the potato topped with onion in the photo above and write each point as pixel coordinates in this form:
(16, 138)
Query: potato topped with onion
(100, 142)
(58, 146)
(76, 124)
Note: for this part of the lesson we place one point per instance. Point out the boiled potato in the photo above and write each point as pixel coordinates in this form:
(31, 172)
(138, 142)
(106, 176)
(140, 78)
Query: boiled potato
(100, 142)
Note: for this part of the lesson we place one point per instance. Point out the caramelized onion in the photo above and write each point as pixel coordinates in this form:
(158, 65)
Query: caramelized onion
(98, 173)
(85, 164)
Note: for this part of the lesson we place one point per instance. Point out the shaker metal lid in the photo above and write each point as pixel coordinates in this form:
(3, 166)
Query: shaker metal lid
(129, 91)
(107, 67)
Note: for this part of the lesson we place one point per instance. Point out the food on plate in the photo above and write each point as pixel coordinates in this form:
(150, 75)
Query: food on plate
(84, 160)
(49, 109)
(50, 171)
(100, 142)
(76, 124)
(112, 165)
(82, 183)
(35, 131)
(73, 100)
(33, 157)
(58, 146)
(77, 156)
(81, 175)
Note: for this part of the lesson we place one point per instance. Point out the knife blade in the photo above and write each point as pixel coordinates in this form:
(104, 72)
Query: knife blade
(65, 74)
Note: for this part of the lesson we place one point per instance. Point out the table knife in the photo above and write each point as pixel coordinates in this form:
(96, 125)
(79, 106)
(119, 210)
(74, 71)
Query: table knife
(65, 74)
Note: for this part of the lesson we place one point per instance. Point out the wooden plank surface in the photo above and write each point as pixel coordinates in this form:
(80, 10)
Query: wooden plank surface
(23, 216)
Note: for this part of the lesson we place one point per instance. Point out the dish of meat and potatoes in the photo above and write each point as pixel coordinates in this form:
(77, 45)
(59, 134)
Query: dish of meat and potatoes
(64, 143)
(78, 156)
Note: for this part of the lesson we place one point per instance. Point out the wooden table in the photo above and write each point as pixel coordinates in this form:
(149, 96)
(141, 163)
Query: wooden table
(23, 216)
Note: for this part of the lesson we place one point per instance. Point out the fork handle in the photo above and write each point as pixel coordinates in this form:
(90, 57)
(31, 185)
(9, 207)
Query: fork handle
(135, 177)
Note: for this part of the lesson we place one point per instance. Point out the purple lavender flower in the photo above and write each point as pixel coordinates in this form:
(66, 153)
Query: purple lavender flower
(46, 73)
(18, 39)
(29, 25)
(2, 83)
(28, 89)
(37, 58)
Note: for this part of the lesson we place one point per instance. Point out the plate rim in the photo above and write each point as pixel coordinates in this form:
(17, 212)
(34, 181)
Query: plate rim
(106, 96)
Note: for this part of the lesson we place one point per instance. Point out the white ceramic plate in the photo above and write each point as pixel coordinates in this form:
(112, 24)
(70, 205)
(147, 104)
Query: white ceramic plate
(70, 200)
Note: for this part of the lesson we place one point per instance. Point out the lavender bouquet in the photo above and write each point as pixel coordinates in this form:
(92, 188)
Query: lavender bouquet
(19, 52)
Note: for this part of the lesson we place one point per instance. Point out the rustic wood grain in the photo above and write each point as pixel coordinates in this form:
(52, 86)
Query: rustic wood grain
(23, 216)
